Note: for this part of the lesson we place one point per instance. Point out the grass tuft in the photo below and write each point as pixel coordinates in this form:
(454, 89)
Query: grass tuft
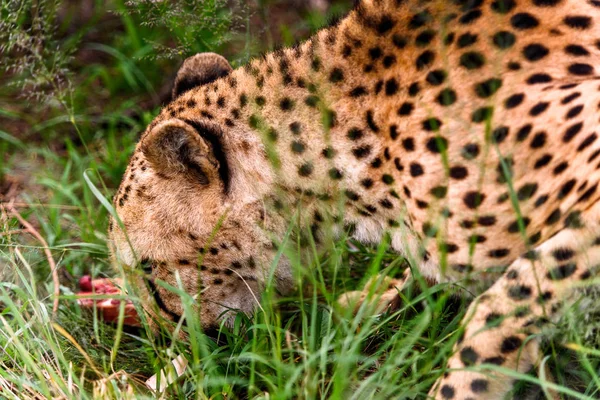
(79, 82)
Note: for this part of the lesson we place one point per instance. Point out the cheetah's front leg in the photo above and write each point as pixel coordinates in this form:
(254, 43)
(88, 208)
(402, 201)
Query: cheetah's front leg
(381, 292)
(500, 321)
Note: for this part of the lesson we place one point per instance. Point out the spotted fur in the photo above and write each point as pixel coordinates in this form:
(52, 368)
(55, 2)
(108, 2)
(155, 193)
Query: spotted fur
(464, 129)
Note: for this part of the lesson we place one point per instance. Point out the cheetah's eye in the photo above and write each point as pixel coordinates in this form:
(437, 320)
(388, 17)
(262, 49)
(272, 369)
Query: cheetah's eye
(146, 265)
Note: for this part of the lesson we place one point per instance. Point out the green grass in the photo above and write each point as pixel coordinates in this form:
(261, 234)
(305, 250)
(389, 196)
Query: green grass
(65, 144)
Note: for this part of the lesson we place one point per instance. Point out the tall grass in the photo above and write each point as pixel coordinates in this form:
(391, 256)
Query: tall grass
(74, 98)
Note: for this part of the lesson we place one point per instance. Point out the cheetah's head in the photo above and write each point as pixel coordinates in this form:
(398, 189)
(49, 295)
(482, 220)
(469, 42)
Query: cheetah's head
(188, 221)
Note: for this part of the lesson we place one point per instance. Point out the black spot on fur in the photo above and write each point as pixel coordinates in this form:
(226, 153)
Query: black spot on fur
(536, 79)
(574, 111)
(512, 275)
(542, 161)
(498, 253)
(414, 89)
(458, 172)
(336, 75)
(466, 39)
(588, 193)
(581, 69)
(447, 392)
(488, 87)
(436, 77)
(472, 60)
(572, 131)
(296, 128)
(539, 108)
(504, 40)
(297, 147)
(473, 199)
(519, 292)
(535, 52)
(367, 183)
(576, 50)
(305, 169)
(358, 91)
(311, 101)
(393, 132)
(468, 356)
(560, 168)
(420, 19)
(578, 21)
(416, 169)
(494, 360)
(523, 21)
(563, 253)
(514, 226)
(546, 3)
(362, 151)
(470, 151)
(335, 174)
(513, 66)
(539, 140)
(470, 17)
(424, 38)
(527, 191)
(503, 6)
(399, 41)
(385, 24)
(405, 109)
(524, 132)
(566, 188)
(446, 97)
(375, 53)
(432, 124)
(371, 122)
(355, 134)
(554, 217)
(479, 385)
(486, 220)
(389, 60)
(408, 144)
(482, 114)
(437, 144)
(385, 203)
(425, 59)
(286, 104)
(439, 192)
(562, 272)
(391, 87)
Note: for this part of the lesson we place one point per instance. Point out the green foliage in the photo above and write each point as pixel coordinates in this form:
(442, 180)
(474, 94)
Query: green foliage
(31, 50)
(195, 26)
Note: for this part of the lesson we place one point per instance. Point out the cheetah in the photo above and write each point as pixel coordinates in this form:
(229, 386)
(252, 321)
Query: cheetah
(465, 131)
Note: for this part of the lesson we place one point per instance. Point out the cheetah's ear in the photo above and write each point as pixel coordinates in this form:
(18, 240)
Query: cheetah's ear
(177, 148)
(199, 70)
